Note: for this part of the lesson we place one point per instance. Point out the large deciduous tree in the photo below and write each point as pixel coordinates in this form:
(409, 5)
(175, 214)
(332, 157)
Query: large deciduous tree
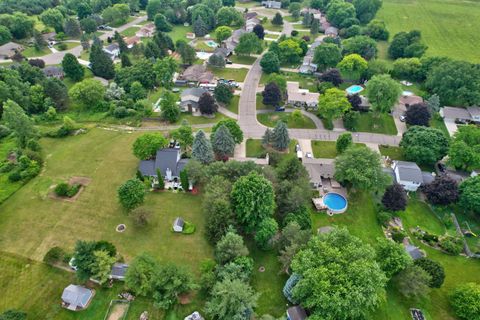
(442, 191)
(271, 94)
(16, 119)
(392, 257)
(424, 145)
(352, 66)
(327, 55)
(470, 194)
(464, 152)
(362, 45)
(169, 109)
(366, 9)
(146, 146)
(89, 93)
(131, 194)
(344, 141)
(413, 281)
(249, 43)
(383, 93)
(270, 63)
(333, 104)
(465, 300)
(207, 104)
(360, 167)
(223, 93)
(252, 200)
(345, 283)
(229, 248)
(222, 33)
(418, 115)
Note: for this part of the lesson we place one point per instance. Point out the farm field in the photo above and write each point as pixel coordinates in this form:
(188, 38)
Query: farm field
(449, 27)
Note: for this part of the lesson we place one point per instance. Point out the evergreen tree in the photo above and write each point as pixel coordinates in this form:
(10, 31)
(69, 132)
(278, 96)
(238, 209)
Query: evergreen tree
(153, 51)
(281, 139)
(307, 20)
(200, 28)
(72, 68)
(72, 28)
(277, 19)
(223, 143)
(125, 60)
(267, 137)
(121, 43)
(315, 27)
(202, 149)
(38, 41)
(161, 182)
(101, 64)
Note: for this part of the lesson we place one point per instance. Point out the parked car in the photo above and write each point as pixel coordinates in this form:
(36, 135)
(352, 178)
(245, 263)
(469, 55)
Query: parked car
(308, 154)
(297, 147)
(403, 118)
(227, 61)
(279, 109)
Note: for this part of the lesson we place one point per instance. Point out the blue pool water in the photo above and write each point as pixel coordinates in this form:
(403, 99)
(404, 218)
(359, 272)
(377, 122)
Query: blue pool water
(211, 43)
(354, 89)
(335, 201)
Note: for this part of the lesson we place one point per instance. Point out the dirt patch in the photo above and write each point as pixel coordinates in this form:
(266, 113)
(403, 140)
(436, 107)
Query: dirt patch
(83, 181)
(185, 298)
(118, 311)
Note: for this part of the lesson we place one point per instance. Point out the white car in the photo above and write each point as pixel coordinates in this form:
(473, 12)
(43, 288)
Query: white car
(308, 155)
(403, 118)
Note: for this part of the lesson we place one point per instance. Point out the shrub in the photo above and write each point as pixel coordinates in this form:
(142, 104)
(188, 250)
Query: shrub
(434, 269)
(294, 33)
(33, 145)
(54, 255)
(383, 217)
(398, 235)
(4, 131)
(14, 176)
(451, 245)
(120, 112)
(73, 190)
(62, 46)
(62, 189)
(188, 228)
(465, 300)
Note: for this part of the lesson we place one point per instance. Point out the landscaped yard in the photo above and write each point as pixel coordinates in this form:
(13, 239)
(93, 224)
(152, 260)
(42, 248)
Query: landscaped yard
(229, 73)
(179, 33)
(233, 105)
(30, 52)
(242, 59)
(271, 27)
(395, 153)
(326, 149)
(130, 32)
(305, 81)
(449, 28)
(270, 119)
(376, 123)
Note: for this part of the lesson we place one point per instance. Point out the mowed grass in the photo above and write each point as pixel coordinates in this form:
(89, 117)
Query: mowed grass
(179, 33)
(395, 153)
(233, 104)
(375, 123)
(130, 32)
(326, 149)
(270, 119)
(449, 27)
(229, 73)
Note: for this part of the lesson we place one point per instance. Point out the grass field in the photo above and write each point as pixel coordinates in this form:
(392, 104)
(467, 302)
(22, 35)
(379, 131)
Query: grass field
(233, 105)
(179, 33)
(376, 123)
(30, 52)
(449, 27)
(70, 45)
(270, 119)
(130, 32)
(229, 73)
(242, 59)
(326, 149)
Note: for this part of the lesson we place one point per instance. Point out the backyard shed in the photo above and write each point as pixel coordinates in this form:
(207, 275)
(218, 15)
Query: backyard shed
(178, 225)
(76, 297)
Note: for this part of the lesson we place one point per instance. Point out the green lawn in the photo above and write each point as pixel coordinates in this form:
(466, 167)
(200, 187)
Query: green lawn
(376, 123)
(290, 19)
(271, 27)
(31, 52)
(395, 153)
(255, 148)
(270, 120)
(70, 45)
(449, 28)
(130, 32)
(229, 73)
(242, 59)
(437, 122)
(179, 32)
(260, 105)
(305, 81)
(326, 149)
(249, 4)
(233, 105)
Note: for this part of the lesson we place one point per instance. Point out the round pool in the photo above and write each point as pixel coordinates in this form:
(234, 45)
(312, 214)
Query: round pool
(335, 202)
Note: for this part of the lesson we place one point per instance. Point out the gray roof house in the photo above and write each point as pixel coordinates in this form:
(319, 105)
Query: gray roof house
(53, 72)
(232, 41)
(118, 271)
(113, 50)
(9, 49)
(331, 32)
(167, 160)
(76, 297)
(462, 114)
(189, 99)
(197, 73)
(272, 4)
(308, 66)
(301, 97)
(178, 224)
(296, 313)
(409, 175)
(318, 168)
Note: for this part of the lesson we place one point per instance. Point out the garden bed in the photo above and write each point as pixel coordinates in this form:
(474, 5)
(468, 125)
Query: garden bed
(76, 184)
(117, 310)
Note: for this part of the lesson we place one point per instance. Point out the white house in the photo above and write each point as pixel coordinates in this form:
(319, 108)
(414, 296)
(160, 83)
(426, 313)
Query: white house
(409, 175)
(178, 225)
(112, 50)
(272, 4)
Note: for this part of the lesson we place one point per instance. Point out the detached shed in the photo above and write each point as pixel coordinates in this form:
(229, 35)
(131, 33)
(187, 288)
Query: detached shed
(178, 225)
(76, 297)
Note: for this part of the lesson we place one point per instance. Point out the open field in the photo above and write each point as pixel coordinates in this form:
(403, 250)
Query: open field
(449, 27)
(270, 120)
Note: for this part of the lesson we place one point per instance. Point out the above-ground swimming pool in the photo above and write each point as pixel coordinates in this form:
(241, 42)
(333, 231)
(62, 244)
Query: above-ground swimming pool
(335, 202)
(354, 89)
(211, 44)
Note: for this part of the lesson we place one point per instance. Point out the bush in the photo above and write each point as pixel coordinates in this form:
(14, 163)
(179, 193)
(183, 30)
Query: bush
(14, 176)
(54, 255)
(33, 145)
(465, 300)
(294, 33)
(398, 235)
(73, 190)
(383, 217)
(430, 238)
(62, 46)
(451, 245)
(62, 189)
(120, 112)
(434, 269)
(188, 228)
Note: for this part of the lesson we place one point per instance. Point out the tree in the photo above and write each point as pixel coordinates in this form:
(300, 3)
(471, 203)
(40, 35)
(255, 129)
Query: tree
(395, 198)
(231, 299)
(465, 300)
(216, 206)
(408, 68)
(88, 93)
(294, 9)
(223, 93)
(252, 200)
(362, 45)
(344, 141)
(199, 27)
(277, 19)
(327, 55)
(19, 24)
(53, 18)
(333, 104)
(140, 274)
(5, 35)
(116, 14)
(202, 149)
(280, 137)
(223, 33)
(407, 45)
(267, 229)
(16, 119)
(217, 60)
(168, 283)
(470, 194)
(223, 143)
(290, 50)
(341, 14)
(164, 70)
(352, 66)
(433, 103)
(249, 43)
(38, 42)
(131, 194)
(376, 29)
(272, 94)
(72, 28)
(207, 104)
(137, 91)
(56, 90)
(383, 93)
(350, 283)
(161, 23)
(85, 259)
(233, 128)
(391, 257)
(122, 45)
(455, 82)
(464, 150)
(259, 31)
(434, 269)
(184, 135)
(270, 63)
(168, 106)
(153, 7)
(333, 76)
(88, 25)
(187, 52)
(366, 9)
(102, 267)
(229, 16)
(424, 145)
(361, 168)
(229, 248)
(442, 191)
(100, 63)
(13, 314)
(72, 68)
(146, 146)
(413, 281)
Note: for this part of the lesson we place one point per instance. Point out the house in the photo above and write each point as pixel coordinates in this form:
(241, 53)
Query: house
(113, 50)
(49, 37)
(118, 271)
(197, 73)
(9, 49)
(409, 175)
(194, 316)
(250, 15)
(272, 4)
(222, 52)
(146, 31)
(319, 169)
(296, 313)
(251, 23)
(189, 99)
(331, 32)
(301, 97)
(76, 298)
(178, 224)
(313, 11)
(131, 41)
(168, 161)
(232, 41)
(308, 66)
(53, 72)
(407, 99)
(190, 35)
(462, 115)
